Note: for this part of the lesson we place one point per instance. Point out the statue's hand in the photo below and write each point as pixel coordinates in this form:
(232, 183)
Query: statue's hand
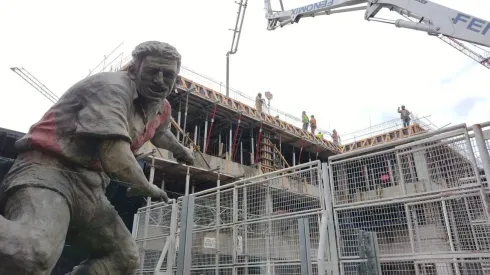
(153, 191)
(184, 155)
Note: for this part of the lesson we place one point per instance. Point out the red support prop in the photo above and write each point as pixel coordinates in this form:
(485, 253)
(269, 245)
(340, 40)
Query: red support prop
(210, 129)
(258, 144)
(300, 152)
(236, 135)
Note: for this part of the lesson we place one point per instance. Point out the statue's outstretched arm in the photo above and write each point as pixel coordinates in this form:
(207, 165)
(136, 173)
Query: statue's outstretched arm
(165, 139)
(119, 162)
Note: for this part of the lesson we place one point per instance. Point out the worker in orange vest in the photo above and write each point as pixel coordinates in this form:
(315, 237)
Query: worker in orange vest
(313, 124)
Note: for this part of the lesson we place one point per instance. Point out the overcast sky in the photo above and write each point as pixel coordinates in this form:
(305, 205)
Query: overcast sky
(346, 71)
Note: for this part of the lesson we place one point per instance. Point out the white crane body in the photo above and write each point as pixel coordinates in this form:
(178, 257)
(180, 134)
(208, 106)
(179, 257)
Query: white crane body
(430, 17)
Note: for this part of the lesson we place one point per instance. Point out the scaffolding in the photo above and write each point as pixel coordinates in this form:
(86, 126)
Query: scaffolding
(385, 132)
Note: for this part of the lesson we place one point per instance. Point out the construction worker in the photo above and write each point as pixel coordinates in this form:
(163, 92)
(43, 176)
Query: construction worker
(313, 124)
(320, 135)
(258, 103)
(335, 137)
(55, 189)
(404, 115)
(306, 120)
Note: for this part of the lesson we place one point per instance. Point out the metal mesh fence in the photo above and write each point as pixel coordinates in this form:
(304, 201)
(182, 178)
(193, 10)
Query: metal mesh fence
(246, 227)
(423, 199)
(154, 226)
(476, 266)
(252, 226)
(420, 167)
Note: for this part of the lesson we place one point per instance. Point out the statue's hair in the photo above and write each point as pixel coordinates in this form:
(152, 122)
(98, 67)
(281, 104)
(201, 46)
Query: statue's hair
(156, 48)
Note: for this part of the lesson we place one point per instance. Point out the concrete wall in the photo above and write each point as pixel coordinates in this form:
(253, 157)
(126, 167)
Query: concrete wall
(297, 184)
(226, 166)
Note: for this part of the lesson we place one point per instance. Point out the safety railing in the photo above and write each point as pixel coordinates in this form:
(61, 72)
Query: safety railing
(387, 126)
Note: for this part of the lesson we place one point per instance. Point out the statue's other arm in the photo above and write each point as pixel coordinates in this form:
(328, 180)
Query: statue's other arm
(165, 139)
(118, 161)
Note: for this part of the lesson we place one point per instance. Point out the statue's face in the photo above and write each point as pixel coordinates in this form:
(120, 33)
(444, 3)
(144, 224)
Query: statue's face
(157, 76)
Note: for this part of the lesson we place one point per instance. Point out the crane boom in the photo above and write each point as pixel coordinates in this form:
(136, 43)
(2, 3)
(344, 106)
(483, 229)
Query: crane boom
(435, 19)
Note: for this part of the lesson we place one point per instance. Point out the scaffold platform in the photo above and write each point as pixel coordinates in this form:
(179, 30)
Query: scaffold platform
(277, 125)
(386, 137)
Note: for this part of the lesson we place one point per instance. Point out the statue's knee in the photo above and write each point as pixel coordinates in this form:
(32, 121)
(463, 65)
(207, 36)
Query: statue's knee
(131, 256)
(41, 256)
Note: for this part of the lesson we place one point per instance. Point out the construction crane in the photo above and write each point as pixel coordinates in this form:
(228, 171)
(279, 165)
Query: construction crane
(448, 24)
(483, 60)
(34, 82)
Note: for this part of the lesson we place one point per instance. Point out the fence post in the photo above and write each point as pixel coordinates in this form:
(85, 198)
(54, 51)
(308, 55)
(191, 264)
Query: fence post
(304, 244)
(482, 149)
(328, 223)
(173, 232)
(185, 236)
(369, 250)
(136, 221)
(475, 167)
(169, 247)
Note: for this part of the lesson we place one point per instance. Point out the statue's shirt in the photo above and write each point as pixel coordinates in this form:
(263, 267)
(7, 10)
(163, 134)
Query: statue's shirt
(102, 106)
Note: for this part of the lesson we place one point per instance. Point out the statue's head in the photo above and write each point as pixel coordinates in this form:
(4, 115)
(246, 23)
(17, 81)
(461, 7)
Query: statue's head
(154, 69)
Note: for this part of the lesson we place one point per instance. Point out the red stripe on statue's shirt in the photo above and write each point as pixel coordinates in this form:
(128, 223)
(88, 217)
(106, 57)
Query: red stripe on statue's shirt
(43, 134)
(151, 127)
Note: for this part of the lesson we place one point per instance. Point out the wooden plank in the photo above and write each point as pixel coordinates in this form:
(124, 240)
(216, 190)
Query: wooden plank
(192, 142)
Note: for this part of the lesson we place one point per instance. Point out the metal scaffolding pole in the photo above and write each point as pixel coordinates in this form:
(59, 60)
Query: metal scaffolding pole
(230, 140)
(179, 116)
(205, 145)
(211, 130)
(236, 135)
(185, 119)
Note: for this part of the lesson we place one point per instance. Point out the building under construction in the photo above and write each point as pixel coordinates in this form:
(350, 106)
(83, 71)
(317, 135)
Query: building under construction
(266, 197)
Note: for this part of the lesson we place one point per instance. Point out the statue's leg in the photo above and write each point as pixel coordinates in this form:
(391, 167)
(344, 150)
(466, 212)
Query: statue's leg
(32, 231)
(106, 237)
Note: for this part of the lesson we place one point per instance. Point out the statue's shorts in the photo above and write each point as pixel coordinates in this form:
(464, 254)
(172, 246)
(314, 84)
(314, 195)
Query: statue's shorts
(83, 189)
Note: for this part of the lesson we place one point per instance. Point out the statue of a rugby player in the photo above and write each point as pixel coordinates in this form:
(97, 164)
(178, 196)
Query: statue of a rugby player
(55, 188)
